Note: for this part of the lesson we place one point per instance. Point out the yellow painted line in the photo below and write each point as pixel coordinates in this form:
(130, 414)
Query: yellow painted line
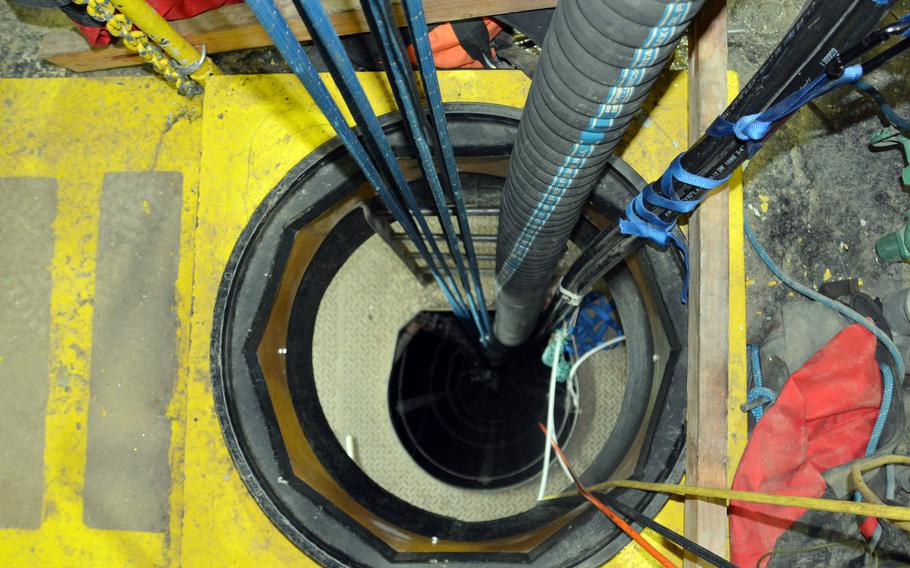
(72, 273)
(75, 130)
(255, 129)
(737, 373)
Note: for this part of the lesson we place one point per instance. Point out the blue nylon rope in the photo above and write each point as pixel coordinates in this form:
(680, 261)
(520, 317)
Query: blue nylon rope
(887, 395)
(879, 427)
(758, 390)
(852, 315)
(399, 71)
(273, 22)
(838, 307)
(419, 33)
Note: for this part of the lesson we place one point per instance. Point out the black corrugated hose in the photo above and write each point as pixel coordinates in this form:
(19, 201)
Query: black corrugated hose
(599, 61)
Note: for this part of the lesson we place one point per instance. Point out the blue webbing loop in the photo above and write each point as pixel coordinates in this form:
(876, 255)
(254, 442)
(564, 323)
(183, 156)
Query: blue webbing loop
(754, 127)
(880, 421)
(882, 418)
(641, 222)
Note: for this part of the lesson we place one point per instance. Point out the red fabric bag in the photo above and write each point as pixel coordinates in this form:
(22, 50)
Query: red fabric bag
(822, 418)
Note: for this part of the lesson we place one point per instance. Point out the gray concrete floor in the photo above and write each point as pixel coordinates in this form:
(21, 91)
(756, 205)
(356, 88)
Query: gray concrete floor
(828, 197)
(21, 32)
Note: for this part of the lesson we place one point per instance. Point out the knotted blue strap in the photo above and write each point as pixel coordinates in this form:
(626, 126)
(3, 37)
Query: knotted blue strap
(754, 127)
(641, 222)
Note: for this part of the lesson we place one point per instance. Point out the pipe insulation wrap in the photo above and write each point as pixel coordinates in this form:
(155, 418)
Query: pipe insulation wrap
(599, 61)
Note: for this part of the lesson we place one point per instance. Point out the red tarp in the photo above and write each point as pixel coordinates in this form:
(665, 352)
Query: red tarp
(822, 418)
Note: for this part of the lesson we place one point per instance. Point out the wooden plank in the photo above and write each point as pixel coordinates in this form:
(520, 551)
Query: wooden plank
(234, 27)
(706, 436)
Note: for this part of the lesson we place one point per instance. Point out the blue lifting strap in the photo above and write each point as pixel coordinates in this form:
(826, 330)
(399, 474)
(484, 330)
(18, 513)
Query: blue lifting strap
(754, 127)
(640, 221)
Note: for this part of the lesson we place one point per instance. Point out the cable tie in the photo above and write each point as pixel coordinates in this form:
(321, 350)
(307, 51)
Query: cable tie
(572, 298)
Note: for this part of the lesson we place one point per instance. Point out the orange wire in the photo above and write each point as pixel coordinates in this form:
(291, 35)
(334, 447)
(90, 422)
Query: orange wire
(610, 514)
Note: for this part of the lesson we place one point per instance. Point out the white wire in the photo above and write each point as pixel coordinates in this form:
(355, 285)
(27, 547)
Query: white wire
(583, 358)
(551, 401)
(572, 383)
(551, 419)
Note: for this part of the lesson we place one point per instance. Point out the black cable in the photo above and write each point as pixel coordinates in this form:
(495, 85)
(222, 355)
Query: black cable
(667, 533)
(836, 67)
(824, 27)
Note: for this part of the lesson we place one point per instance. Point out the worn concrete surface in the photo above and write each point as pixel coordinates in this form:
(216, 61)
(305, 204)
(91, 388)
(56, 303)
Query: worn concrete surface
(816, 196)
(21, 32)
(27, 210)
(134, 355)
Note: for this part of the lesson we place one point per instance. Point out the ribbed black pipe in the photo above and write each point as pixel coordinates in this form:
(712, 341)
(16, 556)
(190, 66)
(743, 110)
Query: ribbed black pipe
(599, 61)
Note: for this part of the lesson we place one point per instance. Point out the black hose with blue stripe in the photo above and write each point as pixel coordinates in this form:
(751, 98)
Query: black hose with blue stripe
(599, 61)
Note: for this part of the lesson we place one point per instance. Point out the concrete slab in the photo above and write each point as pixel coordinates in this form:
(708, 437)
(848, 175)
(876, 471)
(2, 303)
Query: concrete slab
(27, 210)
(134, 352)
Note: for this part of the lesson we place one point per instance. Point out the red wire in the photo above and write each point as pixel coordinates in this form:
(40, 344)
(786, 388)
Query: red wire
(610, 514)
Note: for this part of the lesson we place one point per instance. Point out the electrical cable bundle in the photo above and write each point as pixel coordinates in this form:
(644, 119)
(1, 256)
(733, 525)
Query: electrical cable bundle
(809, 61)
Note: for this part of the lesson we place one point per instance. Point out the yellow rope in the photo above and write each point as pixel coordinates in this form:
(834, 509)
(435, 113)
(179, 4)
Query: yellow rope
(119, 25)
(889, 512)
(860, 467)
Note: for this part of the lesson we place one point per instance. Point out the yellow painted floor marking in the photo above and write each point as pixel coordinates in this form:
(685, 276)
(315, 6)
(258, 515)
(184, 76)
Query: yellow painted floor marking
(737, 365)
(75, 130)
